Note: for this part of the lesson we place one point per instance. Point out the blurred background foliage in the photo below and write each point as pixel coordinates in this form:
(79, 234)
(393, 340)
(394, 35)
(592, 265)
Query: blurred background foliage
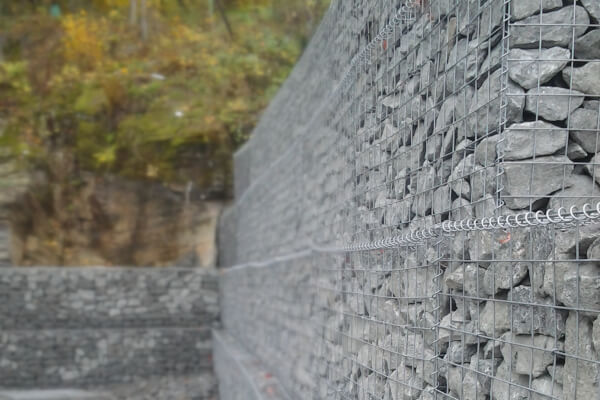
(162, 90)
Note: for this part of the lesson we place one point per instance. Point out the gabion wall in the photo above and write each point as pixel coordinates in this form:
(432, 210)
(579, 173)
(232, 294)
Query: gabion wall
(418, 213)
(94, 326)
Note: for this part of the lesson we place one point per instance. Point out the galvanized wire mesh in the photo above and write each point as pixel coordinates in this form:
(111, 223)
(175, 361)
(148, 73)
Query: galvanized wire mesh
(419, 219)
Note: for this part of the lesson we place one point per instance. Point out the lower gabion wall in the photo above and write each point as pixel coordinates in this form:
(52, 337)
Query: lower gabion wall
(410, 323)
(99, 327)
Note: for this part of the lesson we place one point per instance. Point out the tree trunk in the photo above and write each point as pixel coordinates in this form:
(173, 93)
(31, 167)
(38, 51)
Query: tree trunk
(133, 12)
(144, 19)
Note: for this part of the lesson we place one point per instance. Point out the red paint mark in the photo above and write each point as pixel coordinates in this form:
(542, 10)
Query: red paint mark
(505, 240)
(268, 375)
(384, 44)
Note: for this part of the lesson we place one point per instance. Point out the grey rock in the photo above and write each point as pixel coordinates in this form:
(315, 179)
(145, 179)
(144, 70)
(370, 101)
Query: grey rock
(483, 182)
(553, 103)
(454, 108)
(502, 390)
(491, 19)
(593, 168)
(585, 79)
(433, 146)
(484, 114)
(587, 47)
(494, 319)
(522, 139)
(554, 32)
(593, 252)
(463, 64)
(485, 151)
(556, 372)
(575, 151)
(405, 384)
(596, 334)
(585, 129)
(485, 246)
(525, 8)
(491, 350)
(454, 377)
(530, 68)
(581, 288)
(459, 352)
(528, 182)
(466, 279)
(492, 62)
(580, 378)
(549, 389)
(531, 355)
(543, 319)
(592, 7)
(581, 189)
(485, 206)
(461, 209)
(478, 378)
(442, 200)
(455, 327)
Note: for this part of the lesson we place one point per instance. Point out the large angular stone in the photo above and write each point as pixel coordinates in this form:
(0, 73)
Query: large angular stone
(581, 189)
(593, 168)
(486, 246)
(461, 209)
(442, 200)
(477, 381)
(530, 68)
(494, 319)
(539, 317)
(587, 47)
(553, 103)
(454, 108)
(463, 63)
(459, 352)
(485, 151)
(575, 151)
(515, 390)
(531, 355)
(555, 30)
(545, 388)
(484, 181)
(585, 79)
(455, 327)
(581, 288)
(484, 113)
(580, 378)
(592, 7)
(527, 182)
(405, 384)
(525, 8)
(585, 129)
(466, 279)
(539, 138)
(556, 372)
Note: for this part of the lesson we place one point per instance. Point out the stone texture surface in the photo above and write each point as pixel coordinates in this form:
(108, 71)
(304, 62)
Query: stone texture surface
(95, 327)
(530, 68)
(553, 103)
(553, 31)
(585, 79)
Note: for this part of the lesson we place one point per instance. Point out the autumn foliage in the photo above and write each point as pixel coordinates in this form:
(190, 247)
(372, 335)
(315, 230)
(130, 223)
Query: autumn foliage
(169, 103)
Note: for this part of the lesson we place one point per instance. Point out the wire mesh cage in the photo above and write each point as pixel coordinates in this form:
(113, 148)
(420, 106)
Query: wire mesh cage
(420, 218)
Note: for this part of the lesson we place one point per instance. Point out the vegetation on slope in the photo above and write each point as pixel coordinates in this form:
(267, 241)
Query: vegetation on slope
(163, 90)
